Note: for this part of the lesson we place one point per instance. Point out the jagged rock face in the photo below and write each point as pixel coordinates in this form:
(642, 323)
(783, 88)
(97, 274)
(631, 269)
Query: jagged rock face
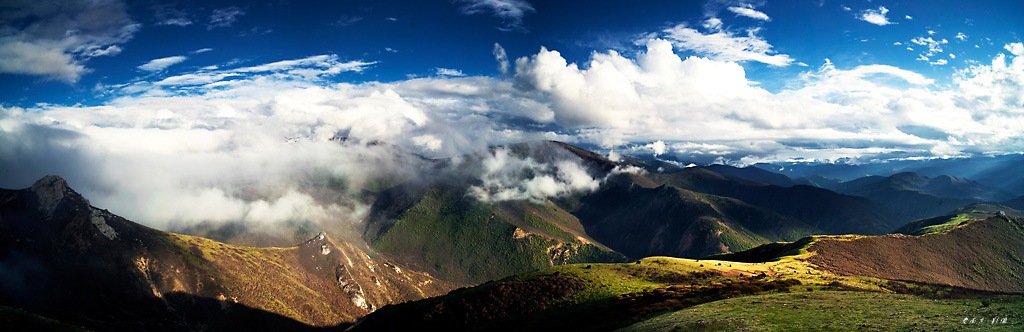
(65, 259)
(49, 191)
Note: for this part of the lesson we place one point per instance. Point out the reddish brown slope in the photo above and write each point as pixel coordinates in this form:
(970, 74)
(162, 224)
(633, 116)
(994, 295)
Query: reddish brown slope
(984, 255)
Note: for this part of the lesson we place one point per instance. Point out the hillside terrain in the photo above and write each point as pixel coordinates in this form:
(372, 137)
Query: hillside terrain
(633, 213)
(68, 260)
(823, 282)
(554, 237)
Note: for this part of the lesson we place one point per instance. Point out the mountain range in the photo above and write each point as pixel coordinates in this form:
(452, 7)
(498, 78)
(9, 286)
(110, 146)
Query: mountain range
(545, 229)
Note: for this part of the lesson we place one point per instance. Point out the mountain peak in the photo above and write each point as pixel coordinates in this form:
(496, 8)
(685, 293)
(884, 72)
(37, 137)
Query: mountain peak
(50, 191)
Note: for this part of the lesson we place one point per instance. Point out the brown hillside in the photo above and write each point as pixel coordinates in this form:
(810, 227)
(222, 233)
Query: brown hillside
(984, 255)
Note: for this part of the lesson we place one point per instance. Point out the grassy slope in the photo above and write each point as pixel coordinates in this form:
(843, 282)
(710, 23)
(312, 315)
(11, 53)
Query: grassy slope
(298, 282)
(841, 310)
(617, 295)
(602, 296)
(456, 236)
(981, 254)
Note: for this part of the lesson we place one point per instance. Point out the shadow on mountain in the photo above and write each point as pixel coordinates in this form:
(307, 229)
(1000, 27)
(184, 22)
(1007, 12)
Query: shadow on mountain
(171, 312)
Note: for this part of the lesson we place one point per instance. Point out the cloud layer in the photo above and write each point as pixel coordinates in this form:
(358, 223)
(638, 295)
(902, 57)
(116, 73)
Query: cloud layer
(263, 142)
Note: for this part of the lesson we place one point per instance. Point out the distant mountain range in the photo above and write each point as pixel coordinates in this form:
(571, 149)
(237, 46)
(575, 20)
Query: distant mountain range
(1000, 172)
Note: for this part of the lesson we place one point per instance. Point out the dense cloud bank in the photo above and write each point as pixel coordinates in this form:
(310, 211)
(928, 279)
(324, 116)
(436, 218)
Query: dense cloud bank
(256, 143)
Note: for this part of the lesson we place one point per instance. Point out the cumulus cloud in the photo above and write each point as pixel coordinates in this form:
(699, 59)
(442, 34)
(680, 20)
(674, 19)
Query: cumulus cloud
(875, 16)
(724, 45)
(869, 111)
(162, 63)
(41, 37)
(224, 17)
(511, 12)
(750, 12)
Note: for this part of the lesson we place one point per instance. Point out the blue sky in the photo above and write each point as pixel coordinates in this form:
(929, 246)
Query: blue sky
(405, 39)
(211, 110)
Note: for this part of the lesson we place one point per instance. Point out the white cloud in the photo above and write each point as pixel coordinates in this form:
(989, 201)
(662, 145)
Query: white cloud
(54, 39)
(658, 148)
(1016, 49)
(181, 22)
(725, 46)
(952, 56)
(908, 17)
(448, 72)
(224, 17)
(749, 11)
(508, 177)
(939, 62)
(230, 144)
(845, 8)
(934, 46)
(875, 16)
(502, 58)
(162, 63)
(202, 50)
(961, 36)
(313, 68)
(511, 12)
(712, 24)
(347, 21)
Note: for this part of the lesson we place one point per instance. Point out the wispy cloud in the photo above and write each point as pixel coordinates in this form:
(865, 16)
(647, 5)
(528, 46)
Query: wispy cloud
(875, 16)
(167, 15)
(502, 58)
(725, 46)
(162, 63)
(347, 21)
(224, 17)
(448, 72)
(511, 12)
(749, 11)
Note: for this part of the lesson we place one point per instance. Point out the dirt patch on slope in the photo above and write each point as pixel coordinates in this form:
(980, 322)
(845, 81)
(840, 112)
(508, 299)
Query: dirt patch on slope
(984, 255)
